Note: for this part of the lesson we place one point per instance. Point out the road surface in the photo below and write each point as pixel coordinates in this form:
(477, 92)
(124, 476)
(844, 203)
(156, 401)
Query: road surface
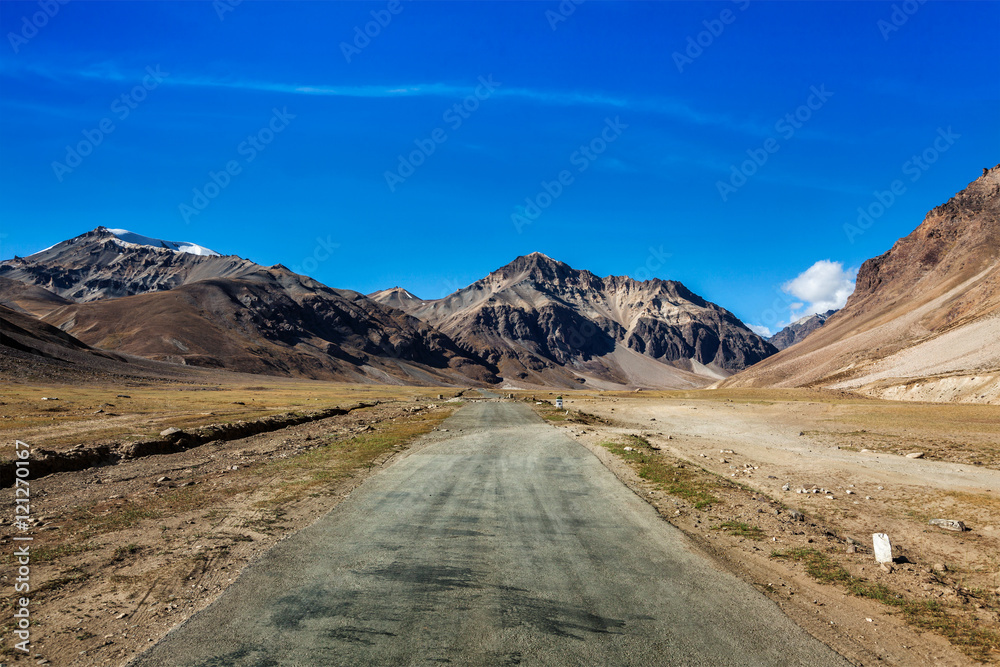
(499, 542)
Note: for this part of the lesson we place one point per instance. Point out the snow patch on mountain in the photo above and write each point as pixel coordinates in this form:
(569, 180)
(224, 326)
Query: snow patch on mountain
(177, 246)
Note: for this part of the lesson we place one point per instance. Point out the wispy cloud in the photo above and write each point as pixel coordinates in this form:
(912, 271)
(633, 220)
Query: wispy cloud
(656, 105)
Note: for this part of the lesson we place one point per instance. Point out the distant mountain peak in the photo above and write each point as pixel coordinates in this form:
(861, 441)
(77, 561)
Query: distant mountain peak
(176, 246)
(109, 263)
(799, 329)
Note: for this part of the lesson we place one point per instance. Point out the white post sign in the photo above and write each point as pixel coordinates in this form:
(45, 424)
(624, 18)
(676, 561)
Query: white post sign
(883, 548)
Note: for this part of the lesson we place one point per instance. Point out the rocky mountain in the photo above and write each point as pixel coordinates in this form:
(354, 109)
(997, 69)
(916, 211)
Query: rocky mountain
(534, 322)
(107, 263)
(541, 322)
(924, 320)
(173, 305)
(799, 329)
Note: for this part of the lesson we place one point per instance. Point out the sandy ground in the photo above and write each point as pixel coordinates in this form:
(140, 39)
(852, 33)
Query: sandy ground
(807, 444)
(124, 553)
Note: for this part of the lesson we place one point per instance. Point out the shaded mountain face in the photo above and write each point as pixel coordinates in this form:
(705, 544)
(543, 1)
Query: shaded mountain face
(32, 350)
(923, 321)
(227, 312)
(797, 331)
(542, 322)
(274, 322)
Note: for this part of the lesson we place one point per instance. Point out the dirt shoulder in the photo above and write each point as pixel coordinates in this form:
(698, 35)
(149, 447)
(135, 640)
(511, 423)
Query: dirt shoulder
(123, 553)
(939, 604)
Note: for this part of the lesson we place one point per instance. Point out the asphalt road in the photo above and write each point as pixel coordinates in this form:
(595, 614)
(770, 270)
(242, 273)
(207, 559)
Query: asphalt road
(500, 542)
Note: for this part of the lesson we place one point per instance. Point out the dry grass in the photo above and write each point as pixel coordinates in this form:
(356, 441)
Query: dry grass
(978, 641)
(693, 484)
(152, 407)
(279, 482)
(741, 529)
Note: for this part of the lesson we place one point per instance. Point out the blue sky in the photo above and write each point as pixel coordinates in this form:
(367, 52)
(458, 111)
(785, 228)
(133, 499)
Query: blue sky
(618, 99)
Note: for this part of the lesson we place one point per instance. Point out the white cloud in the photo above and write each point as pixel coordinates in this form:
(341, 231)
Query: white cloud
(760, 330)
(823, 286)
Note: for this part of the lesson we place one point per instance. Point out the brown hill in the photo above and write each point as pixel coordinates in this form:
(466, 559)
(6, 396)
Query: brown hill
(924, 320)
(272, 321)
(152, 300)
(31, 350)
(541, 322)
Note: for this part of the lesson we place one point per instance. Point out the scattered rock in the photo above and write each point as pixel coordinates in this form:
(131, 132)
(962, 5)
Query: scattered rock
(163, 479)
(796, 515)
(123, 396)
(948, 524)
(165, 433)
(786, 487)
(939, 567)
(915, 455)
(49, 398)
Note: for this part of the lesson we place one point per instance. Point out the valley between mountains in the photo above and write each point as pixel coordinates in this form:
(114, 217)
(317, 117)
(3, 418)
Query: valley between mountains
(190, 411)
(918, 326)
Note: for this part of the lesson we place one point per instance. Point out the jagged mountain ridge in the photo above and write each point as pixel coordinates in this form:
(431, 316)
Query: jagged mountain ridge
(543, 322)
(797, 331)
(924, 320)
(535, 321)
(100, 265)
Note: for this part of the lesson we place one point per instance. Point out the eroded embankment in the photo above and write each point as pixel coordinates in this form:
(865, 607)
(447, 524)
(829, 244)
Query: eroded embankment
(45, 461)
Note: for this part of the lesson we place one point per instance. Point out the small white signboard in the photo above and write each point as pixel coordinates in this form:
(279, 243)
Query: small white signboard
(883, 548)
(558, 402)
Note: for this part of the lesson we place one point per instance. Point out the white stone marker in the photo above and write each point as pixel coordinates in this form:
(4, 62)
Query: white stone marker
(883, 549)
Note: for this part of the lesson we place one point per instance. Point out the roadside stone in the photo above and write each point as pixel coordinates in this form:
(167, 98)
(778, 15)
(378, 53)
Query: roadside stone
(796, 515)
(786, 487)
(883, 547)
(949, 524)
(166, 433)
(915, 455)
